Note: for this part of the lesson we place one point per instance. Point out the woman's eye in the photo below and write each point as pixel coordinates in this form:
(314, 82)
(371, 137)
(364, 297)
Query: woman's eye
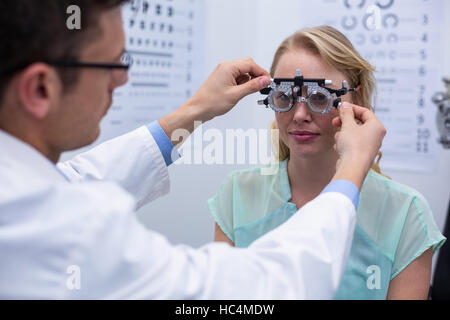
(319, 97)
(319, 101)
(283, 97)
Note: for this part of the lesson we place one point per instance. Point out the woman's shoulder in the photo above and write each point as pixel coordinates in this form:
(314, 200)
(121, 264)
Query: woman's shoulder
(388, 210)
(382, 187)
(399, 219)
(388, 200)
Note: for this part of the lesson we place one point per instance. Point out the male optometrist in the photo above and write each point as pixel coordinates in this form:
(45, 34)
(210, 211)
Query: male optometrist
(69, 231)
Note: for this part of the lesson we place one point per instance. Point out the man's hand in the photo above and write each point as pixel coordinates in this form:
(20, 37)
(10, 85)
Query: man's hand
(226, 86)
(357, 143)
(229, 83)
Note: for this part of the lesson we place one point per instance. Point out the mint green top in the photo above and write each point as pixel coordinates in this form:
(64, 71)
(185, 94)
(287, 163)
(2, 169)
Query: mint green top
(394, 224)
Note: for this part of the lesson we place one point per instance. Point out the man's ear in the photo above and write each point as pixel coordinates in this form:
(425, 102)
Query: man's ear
(38, 87)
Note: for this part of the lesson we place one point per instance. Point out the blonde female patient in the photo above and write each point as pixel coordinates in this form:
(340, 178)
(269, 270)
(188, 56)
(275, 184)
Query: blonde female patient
(395, 235)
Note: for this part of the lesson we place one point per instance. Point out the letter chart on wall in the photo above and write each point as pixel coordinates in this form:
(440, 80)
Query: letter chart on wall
(165, 39)
(404, 41)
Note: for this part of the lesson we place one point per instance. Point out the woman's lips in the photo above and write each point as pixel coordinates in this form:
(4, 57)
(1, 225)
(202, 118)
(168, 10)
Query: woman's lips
(303, 136)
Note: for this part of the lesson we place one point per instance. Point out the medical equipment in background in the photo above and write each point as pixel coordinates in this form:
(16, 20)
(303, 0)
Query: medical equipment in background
(440, 289)
(283, 93)
(442, 100)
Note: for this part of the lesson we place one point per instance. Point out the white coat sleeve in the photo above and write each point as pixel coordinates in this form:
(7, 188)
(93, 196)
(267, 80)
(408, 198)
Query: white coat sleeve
(133, 160)
(302, 259)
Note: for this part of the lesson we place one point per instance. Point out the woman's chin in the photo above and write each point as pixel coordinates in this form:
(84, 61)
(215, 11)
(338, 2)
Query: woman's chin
(304, 151)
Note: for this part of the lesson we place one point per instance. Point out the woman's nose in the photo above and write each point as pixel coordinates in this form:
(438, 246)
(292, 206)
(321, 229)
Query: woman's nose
(302, 112)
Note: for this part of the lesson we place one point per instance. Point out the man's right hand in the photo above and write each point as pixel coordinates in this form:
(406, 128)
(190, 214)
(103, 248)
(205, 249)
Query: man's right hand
(229, 83)
(226, 86)
(357, 144)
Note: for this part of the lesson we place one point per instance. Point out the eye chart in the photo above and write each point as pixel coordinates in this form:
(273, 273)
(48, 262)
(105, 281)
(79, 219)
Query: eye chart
(403, 39)
(165, 39)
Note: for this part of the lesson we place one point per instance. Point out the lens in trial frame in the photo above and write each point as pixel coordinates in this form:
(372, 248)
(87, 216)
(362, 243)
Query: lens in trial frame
(282, 100)
(319, 101)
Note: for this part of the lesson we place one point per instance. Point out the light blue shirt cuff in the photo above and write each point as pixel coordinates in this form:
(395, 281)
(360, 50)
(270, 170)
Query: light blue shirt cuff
(345, 187)
(164, 143)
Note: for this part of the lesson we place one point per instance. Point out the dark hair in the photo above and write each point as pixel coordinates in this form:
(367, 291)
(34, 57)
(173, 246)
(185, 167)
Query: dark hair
(33, 31)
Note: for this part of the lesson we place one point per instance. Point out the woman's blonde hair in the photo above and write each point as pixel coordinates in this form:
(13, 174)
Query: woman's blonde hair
(338, 52)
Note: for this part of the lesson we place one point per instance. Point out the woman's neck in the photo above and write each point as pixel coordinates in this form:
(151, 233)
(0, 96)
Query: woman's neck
(309, 176)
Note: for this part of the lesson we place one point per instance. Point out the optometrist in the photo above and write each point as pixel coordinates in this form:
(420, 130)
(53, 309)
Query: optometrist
(69, 230)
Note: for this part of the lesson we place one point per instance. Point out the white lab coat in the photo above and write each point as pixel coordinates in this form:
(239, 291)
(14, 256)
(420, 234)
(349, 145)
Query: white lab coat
(81, 239)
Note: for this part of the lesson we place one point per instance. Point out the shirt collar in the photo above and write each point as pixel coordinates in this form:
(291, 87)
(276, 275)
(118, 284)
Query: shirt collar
(284, 181)
(17, 155)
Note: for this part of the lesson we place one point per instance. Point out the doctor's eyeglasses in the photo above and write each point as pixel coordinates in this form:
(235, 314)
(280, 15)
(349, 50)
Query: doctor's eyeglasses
(119, 70)
(283, 94)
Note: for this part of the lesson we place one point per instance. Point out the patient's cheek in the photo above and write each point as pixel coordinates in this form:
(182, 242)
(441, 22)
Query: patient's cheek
(325, 121)
(283, 122)
(327, 128)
